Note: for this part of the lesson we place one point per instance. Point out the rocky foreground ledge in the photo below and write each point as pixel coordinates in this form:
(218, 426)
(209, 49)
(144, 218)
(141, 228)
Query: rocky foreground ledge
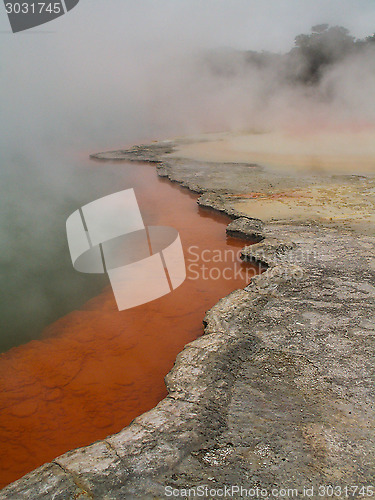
(278, 393)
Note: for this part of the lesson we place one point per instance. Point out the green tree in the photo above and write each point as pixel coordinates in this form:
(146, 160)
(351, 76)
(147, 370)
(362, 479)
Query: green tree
(322, 47)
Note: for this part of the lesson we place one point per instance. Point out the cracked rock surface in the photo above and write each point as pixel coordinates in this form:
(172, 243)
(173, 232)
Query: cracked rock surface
(279, 392)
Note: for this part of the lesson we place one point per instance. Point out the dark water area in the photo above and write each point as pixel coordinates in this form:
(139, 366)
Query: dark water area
(37, 281)
(90, 373)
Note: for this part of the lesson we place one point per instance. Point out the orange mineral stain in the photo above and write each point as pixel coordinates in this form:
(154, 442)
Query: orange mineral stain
(94, 370)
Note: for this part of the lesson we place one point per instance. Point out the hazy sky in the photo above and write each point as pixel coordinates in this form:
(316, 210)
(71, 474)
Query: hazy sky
(107, 62)
(257, 24)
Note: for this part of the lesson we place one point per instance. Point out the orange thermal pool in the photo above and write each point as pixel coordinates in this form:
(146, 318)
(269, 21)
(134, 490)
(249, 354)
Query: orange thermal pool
(96, 369)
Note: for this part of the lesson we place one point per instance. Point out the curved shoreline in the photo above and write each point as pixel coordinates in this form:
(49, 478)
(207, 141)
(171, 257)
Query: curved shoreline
(192, 426)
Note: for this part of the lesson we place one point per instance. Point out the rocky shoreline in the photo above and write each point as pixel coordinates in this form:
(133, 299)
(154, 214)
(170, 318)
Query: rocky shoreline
(279, 392)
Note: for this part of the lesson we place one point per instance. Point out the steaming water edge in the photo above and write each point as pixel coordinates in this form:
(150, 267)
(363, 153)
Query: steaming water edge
(96, 368)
